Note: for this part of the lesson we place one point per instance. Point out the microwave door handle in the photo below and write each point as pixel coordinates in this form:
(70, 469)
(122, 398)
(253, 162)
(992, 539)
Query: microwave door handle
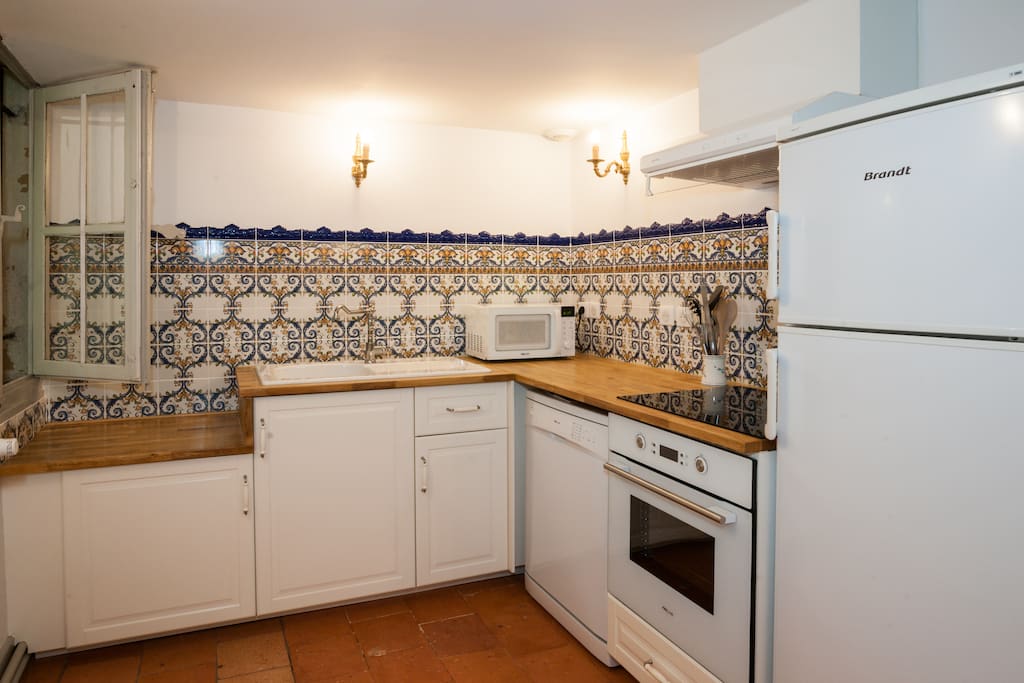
(716, 515)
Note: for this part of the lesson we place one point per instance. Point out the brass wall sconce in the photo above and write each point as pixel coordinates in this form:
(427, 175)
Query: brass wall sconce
(360, 160)
(618, 167)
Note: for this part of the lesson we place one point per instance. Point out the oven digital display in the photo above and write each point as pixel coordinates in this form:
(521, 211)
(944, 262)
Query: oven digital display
(668, 453)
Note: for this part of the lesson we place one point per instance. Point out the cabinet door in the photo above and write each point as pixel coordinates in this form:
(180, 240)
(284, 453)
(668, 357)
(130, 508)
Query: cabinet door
(157, 547)
(334, 497)
(461, 505)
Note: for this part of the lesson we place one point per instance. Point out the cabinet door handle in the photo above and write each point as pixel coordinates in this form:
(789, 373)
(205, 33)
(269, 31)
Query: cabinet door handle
(464, 409)
(423, 474)
(654, 673)
(245, 494)
(263, 438)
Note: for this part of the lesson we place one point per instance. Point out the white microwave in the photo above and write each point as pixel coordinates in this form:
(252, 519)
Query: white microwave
(496, 332)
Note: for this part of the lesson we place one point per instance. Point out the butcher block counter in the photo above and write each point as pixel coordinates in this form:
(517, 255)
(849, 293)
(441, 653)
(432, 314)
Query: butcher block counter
(104, 443)
(586, 379)
(590, 380)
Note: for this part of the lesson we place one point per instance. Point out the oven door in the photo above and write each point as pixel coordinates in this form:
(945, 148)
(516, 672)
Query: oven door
(681, 560)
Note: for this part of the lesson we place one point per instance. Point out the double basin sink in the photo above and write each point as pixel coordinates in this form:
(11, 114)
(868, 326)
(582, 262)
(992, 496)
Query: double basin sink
(345, 371)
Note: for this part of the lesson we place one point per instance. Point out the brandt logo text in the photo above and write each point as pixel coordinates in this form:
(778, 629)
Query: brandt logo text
(886, 174)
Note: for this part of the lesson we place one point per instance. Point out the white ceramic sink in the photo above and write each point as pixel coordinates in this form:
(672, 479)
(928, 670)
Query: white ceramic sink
(343, 371)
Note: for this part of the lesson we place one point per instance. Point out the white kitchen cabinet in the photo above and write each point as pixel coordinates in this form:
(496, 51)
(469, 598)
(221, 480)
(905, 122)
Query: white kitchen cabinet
(461, 408)
(334, 497)
(34, 559)
(461, 505)
(157, 547)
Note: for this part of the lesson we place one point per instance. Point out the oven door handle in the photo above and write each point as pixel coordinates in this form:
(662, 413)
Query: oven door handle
(716, 515)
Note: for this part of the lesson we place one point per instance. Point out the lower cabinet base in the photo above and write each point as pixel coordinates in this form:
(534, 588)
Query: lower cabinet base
(648, 655)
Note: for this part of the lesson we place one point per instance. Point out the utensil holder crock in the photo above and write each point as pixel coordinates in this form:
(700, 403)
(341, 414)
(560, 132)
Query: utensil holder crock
(713, 373)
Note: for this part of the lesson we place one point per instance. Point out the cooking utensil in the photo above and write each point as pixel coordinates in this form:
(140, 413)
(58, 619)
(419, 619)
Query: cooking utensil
(715, 296)
(725, 316)
(705, 316)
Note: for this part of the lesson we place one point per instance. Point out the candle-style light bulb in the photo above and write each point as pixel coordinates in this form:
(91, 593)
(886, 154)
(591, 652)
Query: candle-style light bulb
(359, 147)
(595, 142)
(366, 151)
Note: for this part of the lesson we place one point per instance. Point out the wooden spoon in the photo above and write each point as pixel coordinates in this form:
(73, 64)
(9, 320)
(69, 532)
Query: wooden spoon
(725, 316)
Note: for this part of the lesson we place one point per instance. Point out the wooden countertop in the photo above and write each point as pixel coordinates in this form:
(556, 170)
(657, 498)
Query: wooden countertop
(586, 379)
(104, 443)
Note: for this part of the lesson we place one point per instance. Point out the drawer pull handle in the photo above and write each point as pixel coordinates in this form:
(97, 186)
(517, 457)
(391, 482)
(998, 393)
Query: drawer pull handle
(466, 409)
(654, 673)
(423, 474)
(263, 437)
(245, 494)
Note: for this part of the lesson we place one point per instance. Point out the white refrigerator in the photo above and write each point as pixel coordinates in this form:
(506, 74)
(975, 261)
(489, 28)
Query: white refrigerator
(900, 389)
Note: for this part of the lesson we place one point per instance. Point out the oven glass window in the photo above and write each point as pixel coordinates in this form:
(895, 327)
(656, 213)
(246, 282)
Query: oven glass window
(675, 552)
(522, 332)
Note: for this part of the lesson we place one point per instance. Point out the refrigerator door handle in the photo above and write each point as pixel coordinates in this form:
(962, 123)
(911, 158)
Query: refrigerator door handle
(771, 361)
(772, 286)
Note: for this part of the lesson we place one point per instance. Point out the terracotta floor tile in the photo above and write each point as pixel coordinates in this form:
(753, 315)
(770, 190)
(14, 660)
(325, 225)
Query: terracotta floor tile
(388, 634)
(319, 625)
(568, 664)
(375, 609)
(327, 659)
(498, 600)
(114, 668)
(204, 673)
(103, 653)
(438, 604)
(488, 666)
(270, 676)
(459, 635)
(520, 623)
(418, 665)
(184, 651)
(251, 628)
(251, 654)
(44, 670)
(488, 584)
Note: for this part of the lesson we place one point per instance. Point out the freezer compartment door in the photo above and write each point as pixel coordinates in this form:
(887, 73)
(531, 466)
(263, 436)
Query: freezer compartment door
(899, 515)
(907, 223)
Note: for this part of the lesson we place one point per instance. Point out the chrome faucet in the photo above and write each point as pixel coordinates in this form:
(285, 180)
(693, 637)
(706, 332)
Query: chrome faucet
(371, 350)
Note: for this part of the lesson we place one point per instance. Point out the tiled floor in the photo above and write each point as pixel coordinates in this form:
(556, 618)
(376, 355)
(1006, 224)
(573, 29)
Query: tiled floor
(485, 632)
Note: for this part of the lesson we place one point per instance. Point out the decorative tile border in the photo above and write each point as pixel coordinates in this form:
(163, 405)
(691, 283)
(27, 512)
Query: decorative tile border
(224, 297)
(26, 424)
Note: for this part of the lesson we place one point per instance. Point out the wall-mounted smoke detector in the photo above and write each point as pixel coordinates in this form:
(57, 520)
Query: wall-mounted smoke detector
(559, 134)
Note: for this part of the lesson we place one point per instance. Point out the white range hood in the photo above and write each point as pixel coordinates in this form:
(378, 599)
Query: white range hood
(743, 157)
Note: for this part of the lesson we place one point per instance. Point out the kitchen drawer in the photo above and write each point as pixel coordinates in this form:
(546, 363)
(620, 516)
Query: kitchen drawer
(645, 653)
(461, 408)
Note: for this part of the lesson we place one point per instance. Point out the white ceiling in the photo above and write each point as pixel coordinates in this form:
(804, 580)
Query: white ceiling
(524, 65)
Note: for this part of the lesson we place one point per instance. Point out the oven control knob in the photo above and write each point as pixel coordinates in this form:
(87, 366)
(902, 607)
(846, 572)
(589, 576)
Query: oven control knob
(700, 464)
(641, 442)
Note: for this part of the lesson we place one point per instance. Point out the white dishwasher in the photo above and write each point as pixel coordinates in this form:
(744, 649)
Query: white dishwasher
(567, 517)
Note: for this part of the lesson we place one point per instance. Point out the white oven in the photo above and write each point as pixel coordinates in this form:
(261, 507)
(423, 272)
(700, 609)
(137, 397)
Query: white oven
(682, 546)
(516, 331)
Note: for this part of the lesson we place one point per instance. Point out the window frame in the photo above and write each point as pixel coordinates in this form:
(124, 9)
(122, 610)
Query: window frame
(137, 87)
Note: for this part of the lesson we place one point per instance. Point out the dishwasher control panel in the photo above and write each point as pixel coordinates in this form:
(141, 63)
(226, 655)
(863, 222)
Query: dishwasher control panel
(588, 435)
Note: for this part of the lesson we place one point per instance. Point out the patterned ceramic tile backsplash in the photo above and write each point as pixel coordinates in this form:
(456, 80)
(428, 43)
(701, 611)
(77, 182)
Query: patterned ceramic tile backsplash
(224, 297)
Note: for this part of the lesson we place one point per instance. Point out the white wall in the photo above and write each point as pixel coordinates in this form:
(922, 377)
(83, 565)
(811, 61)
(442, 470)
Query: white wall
(605, 203)
(960, 38)
(862, 47)
(215, 165)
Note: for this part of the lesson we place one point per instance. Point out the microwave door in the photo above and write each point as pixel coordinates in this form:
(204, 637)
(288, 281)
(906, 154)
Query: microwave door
(518, 332)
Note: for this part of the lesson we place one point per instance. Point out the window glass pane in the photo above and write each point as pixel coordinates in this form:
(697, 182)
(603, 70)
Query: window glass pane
(105, 158)
(105, 300)
(63, 155)
(62, 299)
(14, 170)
